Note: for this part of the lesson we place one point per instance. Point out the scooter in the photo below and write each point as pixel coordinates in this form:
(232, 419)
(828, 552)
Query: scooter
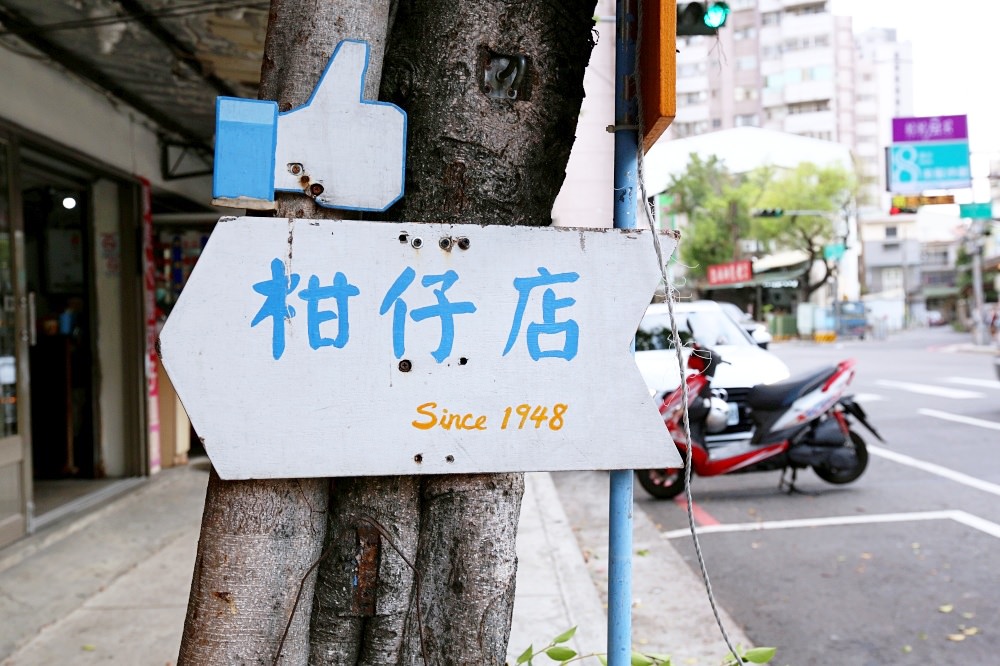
(804, 421)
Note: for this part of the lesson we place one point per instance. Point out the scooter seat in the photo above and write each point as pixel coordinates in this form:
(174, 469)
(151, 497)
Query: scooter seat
(772, 397)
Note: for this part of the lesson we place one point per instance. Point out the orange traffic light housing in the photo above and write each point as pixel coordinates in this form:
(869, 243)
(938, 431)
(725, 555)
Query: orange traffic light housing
(658, 69)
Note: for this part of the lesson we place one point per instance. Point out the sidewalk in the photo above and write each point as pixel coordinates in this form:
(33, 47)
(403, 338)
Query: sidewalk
(112, 586)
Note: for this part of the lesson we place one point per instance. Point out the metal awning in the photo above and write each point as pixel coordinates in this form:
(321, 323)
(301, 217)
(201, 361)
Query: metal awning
(169, 59)
(771, 280)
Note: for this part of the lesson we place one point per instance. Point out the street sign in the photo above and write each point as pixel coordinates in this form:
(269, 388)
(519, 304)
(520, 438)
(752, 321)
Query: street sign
(929, 128)
(928, 153)
(732, 273)
(304, 348)
(938, 165)
(833, 251)
(976, 211)
(913, 202)
(340, 149)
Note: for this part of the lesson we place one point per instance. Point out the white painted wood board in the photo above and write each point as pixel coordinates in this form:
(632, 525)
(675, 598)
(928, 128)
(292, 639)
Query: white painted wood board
(308, 410)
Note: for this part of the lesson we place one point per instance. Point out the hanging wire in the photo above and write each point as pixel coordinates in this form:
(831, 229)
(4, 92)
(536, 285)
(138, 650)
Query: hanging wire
(669, 295)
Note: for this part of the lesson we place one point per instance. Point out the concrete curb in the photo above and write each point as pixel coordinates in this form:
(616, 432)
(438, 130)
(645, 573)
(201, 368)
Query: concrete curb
(554, 588)
(670, 609)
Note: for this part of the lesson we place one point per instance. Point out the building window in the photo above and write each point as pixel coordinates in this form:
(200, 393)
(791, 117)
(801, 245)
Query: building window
(746, 120)
(690, 69)
(749, 32)
(770, 18)
(691, 98)
(746, 62)
(817, 106)
(891, 232)
(716, 123)
(934, 257)
(818, 73)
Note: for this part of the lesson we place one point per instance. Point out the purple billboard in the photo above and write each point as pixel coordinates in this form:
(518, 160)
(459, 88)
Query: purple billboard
(929, 128)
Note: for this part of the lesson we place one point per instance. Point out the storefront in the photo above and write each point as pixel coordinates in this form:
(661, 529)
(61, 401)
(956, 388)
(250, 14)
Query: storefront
(84, 412)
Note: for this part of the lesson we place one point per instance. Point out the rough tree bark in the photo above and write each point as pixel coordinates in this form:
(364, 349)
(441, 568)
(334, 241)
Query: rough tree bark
(253, 582)
(416, 569)
(470, 158)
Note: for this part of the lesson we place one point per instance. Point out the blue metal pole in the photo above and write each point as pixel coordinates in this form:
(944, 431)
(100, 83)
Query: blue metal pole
(625, 188)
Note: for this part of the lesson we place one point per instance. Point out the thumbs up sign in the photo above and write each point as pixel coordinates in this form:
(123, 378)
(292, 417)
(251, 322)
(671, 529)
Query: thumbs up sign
(342, 150)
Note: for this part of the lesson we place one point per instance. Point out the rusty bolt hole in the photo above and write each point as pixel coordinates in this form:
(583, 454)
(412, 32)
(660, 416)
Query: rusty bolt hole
(445, 243)
(416, 243)
(450, 458)
(403, 237)
(464, 243)
(419, 458)
(463, 361)
(315, 189)
(295, 168)
(405, 365)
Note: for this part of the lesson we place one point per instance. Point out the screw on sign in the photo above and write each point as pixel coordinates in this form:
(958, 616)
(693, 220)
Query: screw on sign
(511, 355)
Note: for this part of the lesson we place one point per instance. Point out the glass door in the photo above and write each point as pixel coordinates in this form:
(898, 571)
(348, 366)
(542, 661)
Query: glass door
(15, 472)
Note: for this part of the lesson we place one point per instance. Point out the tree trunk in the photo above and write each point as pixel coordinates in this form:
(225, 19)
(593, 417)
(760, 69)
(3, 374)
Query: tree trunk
(476, 159)
(253, 584)
(417, 570)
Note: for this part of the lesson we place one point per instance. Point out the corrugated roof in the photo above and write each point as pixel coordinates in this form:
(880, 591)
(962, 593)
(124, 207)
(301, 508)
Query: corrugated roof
(169, 59)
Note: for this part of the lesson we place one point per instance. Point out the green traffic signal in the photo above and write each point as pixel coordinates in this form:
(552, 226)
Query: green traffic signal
(701, 18)
(769, 212)
(716, 15)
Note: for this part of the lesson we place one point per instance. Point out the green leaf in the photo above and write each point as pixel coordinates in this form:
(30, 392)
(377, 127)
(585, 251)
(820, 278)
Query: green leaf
(564, 636)
(661, 658)
(603, 658)
(559, 653)
(760, 655)
(526, 655)
(639, 659)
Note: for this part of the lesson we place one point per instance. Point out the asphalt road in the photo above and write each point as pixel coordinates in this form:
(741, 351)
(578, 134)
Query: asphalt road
(900, 567)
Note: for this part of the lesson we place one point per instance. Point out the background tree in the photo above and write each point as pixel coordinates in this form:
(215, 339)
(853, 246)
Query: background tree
(963, 266)
(413, 569)
(808, 187)
(718, 207)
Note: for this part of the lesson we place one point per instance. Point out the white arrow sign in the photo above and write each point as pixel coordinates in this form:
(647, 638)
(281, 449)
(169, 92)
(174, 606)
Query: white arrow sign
(308, 348)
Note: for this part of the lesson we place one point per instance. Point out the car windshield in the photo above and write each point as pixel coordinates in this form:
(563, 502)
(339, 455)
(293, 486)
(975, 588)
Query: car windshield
(706, 327)
(735, 312)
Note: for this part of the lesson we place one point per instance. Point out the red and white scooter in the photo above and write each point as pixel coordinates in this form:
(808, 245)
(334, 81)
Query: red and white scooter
(804, 421)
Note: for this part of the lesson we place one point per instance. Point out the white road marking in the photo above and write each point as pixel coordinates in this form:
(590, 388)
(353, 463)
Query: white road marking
(957, 418)
(967, 519)
(949, 474)
(968, 381)
(927, 389)
(867, 397)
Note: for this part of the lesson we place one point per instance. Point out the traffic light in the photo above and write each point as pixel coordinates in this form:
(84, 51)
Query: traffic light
(769, 212)
(701, 18)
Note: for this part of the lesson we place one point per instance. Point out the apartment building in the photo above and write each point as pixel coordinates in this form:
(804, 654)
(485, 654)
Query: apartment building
(884, 89)
(794, 67)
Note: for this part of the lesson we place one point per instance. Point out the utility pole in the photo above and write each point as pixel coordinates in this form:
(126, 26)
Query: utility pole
(976, 250)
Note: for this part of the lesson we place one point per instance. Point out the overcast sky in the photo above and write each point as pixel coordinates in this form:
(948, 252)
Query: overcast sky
(956, 57)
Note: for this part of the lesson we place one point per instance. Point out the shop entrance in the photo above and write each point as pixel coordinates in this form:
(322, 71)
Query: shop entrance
(60, 316)
(15, 480)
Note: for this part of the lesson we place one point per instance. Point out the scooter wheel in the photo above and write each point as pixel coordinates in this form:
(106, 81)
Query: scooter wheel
(663, 483)
(841, 475)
